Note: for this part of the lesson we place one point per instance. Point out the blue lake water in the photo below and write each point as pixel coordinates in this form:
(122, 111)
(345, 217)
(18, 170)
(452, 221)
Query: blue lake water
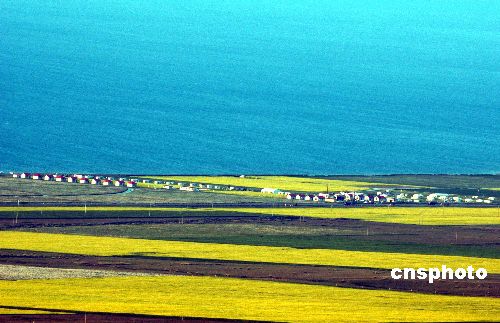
(279, 87)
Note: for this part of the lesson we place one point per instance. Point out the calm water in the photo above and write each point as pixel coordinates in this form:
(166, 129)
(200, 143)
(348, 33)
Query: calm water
(314, 87)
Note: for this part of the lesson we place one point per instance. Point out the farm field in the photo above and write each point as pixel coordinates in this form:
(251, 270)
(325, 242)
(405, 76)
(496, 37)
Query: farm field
(31, 191)
(255, 248)
(407, 215)
(319, 234)
(95, 262)
(242, 299)
(285, 183)
(431, 180)
(404, 215)
(110, 246)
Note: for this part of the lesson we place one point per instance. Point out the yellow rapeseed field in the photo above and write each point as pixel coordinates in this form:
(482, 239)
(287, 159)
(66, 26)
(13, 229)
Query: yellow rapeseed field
(6, 311)
(286, 183)
(230, 298)
(406, 215)
(108, 246)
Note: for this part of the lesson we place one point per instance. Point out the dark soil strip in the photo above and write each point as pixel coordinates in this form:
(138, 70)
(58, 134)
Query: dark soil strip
(393, 232)
(305, 274)
(99, 317)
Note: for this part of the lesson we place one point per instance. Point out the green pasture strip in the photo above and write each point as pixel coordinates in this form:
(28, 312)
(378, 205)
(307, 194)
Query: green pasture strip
(286, 183)
(110, 246)
(311, 237)
(210, 297)
(404, 215)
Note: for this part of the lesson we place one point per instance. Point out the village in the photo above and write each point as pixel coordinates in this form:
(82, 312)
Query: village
(373, 196)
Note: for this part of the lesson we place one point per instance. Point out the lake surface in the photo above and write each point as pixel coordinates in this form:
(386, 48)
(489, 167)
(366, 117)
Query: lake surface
(278, 87)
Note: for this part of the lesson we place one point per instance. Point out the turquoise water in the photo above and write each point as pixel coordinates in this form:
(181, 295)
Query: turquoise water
(280, 87)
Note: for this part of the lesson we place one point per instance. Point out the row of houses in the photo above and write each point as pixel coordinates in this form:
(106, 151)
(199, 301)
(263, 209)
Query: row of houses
(78, 178)
(191, 187)
(380, 197)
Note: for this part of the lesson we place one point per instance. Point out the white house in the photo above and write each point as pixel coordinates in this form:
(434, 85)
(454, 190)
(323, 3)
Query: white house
(59, 178)
(401, 196)
(25, 175)
(436, 196)
(48, 177)
(95, 181)
(189, 189)
(106, 182)
(319, 198)
(16, 175)
(269, 190)
(119, 183)
(83, 180)
(36, 176)
(131, 184)
(71, 179)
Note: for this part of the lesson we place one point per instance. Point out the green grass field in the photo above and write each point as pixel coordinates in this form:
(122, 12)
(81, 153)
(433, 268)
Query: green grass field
(404, 215)
(210, 297)
(437, 181)
(110, 246)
